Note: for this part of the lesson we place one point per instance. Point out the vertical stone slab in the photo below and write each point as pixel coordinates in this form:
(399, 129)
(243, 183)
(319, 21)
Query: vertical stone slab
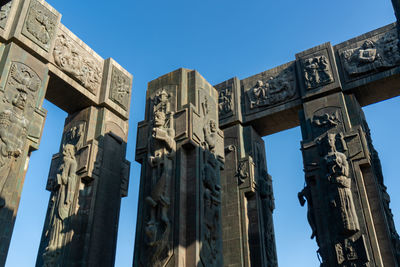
(247, 201)
(180, 148)
(87, 179)
(22, 89)
(347, 210)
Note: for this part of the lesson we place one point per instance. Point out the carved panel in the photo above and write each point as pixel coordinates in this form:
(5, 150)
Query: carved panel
(225, 101)
(317, 71)
(77, 63)
(4, 12)
(120, 88)
(272, 89)
(371, 55)
(40, 25)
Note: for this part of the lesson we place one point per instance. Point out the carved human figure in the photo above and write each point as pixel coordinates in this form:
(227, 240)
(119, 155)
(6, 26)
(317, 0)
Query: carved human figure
(13, 133)
(211, 199)
(341, 198)
(317, 71)
(161, 148)
(305, 195)
(367, 53)
(210, 135)
(268, 206)
(64, 187)
(224, 101)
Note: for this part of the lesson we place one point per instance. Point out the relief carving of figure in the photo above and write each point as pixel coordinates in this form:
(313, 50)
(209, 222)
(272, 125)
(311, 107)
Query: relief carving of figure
(275, 90)
(72, 60)
(64, 187)
(374, 54)
(210, 135)
(305, 195)
(268, 206)
(161, 147)
(326, 120)
(317, 72)
(225, 104)
(211, 199)
(341, 198)
(13, 133)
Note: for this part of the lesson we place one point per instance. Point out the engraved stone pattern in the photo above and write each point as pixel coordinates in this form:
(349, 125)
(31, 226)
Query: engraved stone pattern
(120, 88)
(77, 63)
(377, 53)
(40, 25)
(4, 12)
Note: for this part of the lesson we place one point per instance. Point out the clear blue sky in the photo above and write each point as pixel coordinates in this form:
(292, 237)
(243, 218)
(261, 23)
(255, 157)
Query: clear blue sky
(220, 39)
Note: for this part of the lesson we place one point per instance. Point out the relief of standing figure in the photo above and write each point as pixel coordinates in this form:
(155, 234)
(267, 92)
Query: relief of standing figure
(64, 192)
(341, 195)
(13, 133)
(161, 148)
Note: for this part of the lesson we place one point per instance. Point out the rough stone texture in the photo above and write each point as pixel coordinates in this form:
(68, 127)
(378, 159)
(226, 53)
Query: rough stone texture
(247, 201)
(180, 148)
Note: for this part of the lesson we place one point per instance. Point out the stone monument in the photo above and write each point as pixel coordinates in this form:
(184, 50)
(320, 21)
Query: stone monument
(323, 90)
(40, 58)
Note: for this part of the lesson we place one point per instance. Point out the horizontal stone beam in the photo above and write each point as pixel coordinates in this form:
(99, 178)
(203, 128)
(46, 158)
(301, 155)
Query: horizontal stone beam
(367, 66)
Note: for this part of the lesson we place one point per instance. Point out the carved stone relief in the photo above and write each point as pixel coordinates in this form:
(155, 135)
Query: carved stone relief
(225, 101)
(341, 198)
(74, 61)
(211, 209)
(372, 55)
(317, 72)
(120, 88)
(4, 12)
(352, 252)
(162, 149)
(327, 119)
(305, 195)
(276, 89)
(40, 25)
(64, 192)
(20, 93)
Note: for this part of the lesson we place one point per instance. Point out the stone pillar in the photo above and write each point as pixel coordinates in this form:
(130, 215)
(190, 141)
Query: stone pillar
(348, 206)
(180, 148)
(22, 88)
(247, 199)
(87, 179)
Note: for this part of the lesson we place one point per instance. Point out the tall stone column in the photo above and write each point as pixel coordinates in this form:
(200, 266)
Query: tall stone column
(348, 206)
(22, 88)
(247, 199)
(180, 148)
(87, 179)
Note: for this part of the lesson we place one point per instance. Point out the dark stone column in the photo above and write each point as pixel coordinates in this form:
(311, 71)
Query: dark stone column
(180, 148)
(247, 201)
(347, 201)
(87, 179)
(22, 88)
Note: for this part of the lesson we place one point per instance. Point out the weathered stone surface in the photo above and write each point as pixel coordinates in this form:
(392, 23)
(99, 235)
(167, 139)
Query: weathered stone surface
(181, 152)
